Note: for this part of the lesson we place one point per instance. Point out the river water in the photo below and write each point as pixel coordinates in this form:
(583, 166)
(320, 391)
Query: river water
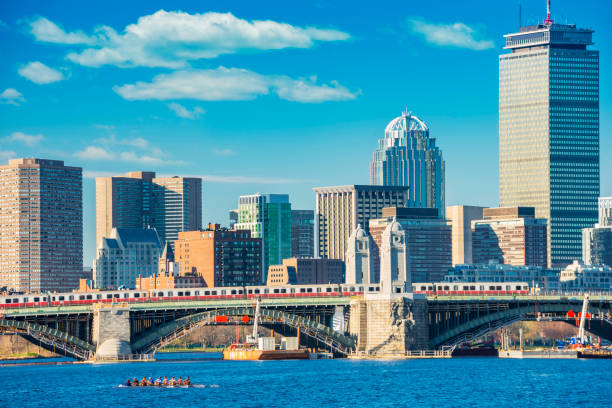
(467, 382)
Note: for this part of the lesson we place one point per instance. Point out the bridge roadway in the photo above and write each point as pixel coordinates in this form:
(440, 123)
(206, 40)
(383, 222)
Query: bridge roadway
(451, 319)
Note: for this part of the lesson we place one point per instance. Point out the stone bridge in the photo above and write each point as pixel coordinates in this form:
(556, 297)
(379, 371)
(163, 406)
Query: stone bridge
(366, 325)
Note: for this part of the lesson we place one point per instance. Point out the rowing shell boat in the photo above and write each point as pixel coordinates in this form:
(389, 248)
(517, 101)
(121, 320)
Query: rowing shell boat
(169, 386)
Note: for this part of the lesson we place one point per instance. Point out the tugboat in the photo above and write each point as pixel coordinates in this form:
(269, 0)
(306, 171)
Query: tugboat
(265, 348)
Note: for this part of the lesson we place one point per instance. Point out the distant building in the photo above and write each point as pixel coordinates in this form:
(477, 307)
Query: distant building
(221, 256)
(41, 225)
(549, 131)
(597, 241)
(280, 275)
(604, 205)
(535, 276)
(141, 200)
(358, 258)
(302, 233)
(124, 256)
(167, 265)
(268, 217)
(407, 156)
(580, 277)
(169, 281)
(310, 271)
(340, 209)
(233, 218)
(509, 235)
(461, 217)
(427, 240)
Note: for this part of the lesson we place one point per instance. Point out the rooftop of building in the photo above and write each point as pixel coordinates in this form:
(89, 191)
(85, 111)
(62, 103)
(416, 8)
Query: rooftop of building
(406, 122)
(499, 213)
(37, 162)
(359, 187)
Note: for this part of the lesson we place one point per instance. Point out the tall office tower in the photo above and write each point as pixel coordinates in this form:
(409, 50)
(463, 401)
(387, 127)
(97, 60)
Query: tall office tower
(176, 206)
(128, 253)
(340, 209)
(549, 131)
(407, 156)
(511, 236)
(41, 225)
(140, 200)
(302, 233)
(605, 211)
(461, 217)
(267, 216)
(427, 241)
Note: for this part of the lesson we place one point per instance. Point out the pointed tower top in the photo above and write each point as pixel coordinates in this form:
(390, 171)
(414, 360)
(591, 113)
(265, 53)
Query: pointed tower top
(548, 21)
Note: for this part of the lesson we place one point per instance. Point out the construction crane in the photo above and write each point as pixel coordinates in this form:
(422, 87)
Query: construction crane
(583, 314)
(253, 338)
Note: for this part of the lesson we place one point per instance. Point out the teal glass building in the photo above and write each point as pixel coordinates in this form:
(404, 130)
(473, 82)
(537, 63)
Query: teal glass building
(267, 216)
(408, 157)
(549, 131)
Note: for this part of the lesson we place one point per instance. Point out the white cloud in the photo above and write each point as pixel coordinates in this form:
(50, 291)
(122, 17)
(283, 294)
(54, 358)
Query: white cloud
(39, 73)
(28, 140)
(453, 35)
(185, 113)
(11, 96)
(47, 31)
(224, 152)
(233, 84)
(95, 153)
(170, 39)
(7, 154)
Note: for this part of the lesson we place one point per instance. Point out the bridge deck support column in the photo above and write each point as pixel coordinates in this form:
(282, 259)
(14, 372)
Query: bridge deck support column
(112, 324)
(390, 325)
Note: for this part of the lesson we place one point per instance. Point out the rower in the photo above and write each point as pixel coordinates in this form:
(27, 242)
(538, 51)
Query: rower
(165, 382)
(180, 381)
(187, 381)
(158, 382)
(128, 383)
(172, 381)
(135, 382)
(150, 381)
(143, 382)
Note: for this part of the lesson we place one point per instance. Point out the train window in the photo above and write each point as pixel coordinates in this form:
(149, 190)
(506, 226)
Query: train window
(116, 296)
(378, 288)
(275, 290)
(25, 300)
(233, 291)
(318, 290)
(302, 290)
(197, 293)
(256, 291)
(180, 294)
(70, 297)
(187, 293)
(88, 297)
(292, 290)
(7, 301)
(423, 287)
(97, 297)
(328, 290)
(160, 294)
(15, 300)
(283, 290)
(136, 295)
(266, 291)
(455, 287)
(430, 288)
(126, 295)
(61, 298)
(507, 287)
(446, 288)
(240, 291)
(207, 293)
(499, 288)
(82, 297)
(223, 291)
(214, 292)
(250, 292)
(169, 293)
(37, 299)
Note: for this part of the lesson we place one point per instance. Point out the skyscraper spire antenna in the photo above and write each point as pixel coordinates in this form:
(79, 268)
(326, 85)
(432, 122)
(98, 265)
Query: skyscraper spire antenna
(548, 20)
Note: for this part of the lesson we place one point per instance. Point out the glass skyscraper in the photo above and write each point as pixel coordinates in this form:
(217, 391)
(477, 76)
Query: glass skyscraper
(407, 156)
(549, 131)
(267, 216)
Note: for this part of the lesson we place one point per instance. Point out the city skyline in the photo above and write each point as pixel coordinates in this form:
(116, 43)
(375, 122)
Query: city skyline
(49, 121)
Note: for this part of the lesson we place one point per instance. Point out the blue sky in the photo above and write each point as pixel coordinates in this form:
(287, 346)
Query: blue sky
(264, 96)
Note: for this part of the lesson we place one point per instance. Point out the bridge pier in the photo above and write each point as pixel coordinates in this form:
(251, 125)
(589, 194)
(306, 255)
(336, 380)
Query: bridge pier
(111, 332)
(389, 325)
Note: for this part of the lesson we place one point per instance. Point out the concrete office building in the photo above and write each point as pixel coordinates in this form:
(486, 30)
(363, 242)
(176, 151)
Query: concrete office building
(223, 257)
(549, 131)
(302, 233)
(267, 216)
(142, 200)
(340, 209)
(427, 240)
(128, 253)
(597, 241)
(41, 225)
(461, 217)
(407, 156)
(509, 235)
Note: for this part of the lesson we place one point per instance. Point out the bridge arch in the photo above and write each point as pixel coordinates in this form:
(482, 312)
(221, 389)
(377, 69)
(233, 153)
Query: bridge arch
(162, 335)
(478, 327)
(53, 339)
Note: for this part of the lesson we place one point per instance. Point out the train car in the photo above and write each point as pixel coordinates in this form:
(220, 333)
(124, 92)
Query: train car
(481, 288)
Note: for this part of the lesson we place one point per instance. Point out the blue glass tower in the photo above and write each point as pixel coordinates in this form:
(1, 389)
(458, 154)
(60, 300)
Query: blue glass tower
(407, 156)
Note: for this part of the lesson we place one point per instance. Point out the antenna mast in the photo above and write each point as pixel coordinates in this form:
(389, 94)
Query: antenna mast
(548, 20)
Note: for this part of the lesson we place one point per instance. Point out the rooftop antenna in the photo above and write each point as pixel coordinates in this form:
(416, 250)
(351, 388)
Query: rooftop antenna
(548, 20)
